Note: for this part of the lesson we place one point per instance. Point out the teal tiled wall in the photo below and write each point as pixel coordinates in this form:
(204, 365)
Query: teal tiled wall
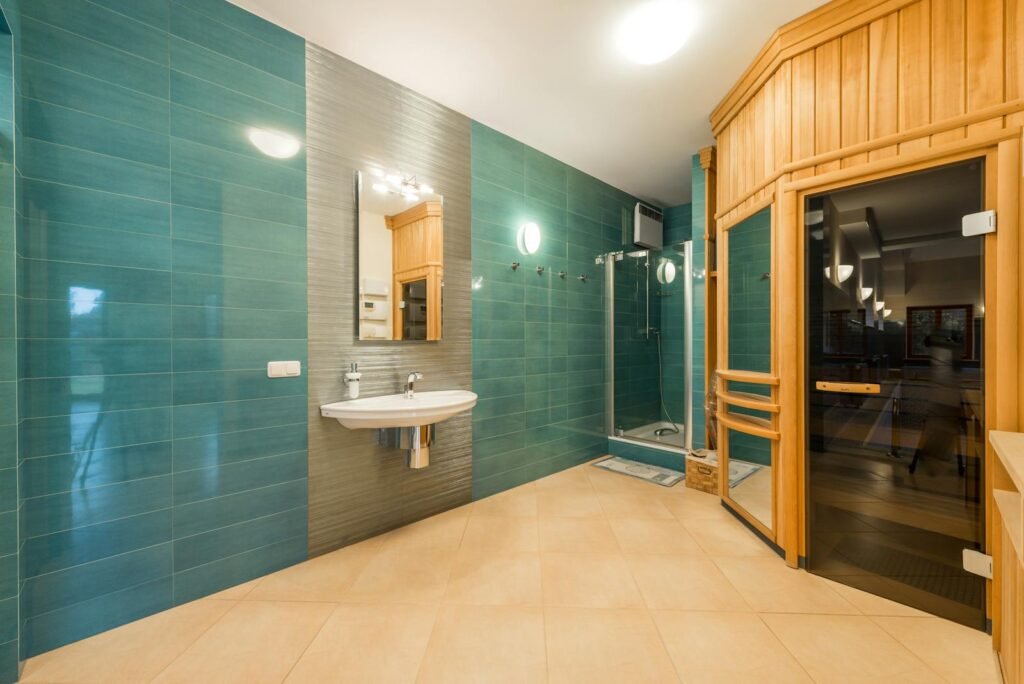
(162, 263)
(538, 340)
(9, 509)
(672, 311)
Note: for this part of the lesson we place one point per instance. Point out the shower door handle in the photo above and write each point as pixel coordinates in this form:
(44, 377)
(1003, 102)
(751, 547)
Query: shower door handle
(848, 387)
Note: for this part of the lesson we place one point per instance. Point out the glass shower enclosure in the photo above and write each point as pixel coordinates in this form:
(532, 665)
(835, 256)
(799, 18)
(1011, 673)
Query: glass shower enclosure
(648, 339)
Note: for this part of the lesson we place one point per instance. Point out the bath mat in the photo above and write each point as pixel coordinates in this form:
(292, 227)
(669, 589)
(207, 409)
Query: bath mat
(740, 471)
(655, 474)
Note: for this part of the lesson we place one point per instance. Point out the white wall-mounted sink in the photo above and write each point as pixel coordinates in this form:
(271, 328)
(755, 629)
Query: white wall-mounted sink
(396, 411)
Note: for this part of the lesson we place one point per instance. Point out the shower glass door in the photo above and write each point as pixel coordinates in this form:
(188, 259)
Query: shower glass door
(649, 290)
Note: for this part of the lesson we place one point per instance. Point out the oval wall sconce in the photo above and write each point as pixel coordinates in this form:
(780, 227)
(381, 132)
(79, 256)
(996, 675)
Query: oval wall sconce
(528, 238)
(666, 272)
(865, 293)
(276, 144)
(879, 305)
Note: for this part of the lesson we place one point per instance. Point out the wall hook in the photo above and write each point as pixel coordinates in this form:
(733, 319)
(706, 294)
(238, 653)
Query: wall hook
(766, 276)
(582, 277)
(540, 270)
(515, 265)
(561, 274)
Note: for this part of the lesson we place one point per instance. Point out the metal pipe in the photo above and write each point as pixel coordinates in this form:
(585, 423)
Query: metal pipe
(609, 345)
(688, 345)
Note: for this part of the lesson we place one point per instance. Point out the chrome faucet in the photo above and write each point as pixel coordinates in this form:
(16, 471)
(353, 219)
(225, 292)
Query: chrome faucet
(410, 384)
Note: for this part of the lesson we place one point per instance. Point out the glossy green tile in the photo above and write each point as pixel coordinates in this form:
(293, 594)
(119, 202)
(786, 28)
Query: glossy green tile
(87, 315)
(207, 483)
(88, 432)
(97, 246)
(156, 13)
(63, 550)
(54, 84)
(208, 451)
(83, 470)
(216, 386)
(217, 68)
(72, 128)
(212, 514)
(47, 43)
(72, 510)
(91, 207)
(210, 419)
(71, 282)
(237, 262)
(207, 547)
(99, 24)
(192, 289)
(60, 358)
(214, 195)
(79, 168)
(261, 174)
(195, 322)
(228, 104)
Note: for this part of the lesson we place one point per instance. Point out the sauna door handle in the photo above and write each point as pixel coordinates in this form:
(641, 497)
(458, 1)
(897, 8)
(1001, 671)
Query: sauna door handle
(848, 387)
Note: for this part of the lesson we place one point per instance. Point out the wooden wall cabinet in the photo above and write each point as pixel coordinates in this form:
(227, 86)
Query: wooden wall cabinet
(417, 253)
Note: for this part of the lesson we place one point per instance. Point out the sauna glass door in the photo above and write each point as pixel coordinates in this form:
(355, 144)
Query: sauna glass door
(895, 416)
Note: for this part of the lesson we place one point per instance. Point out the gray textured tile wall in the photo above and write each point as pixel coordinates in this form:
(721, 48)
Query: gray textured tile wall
(358, 119)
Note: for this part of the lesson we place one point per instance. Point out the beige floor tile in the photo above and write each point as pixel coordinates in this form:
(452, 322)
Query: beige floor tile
(958, 653)
(573, 478)
(690, 505)
(256, 641)
(136, 652)
(235, 593)
(847, 648)
(654, 536)
(683, 583)
(633, 505)
(367, 644)
(594, 646)
(568, 503)
(870, 604)
(324, 578)
(576, 534)
(501, 534)
(588, 580)
(485, 644)
(770, 586)
(490, 578)
(520, 502)
(442, 531)
(613, 483)
(727, 537)
(726, 647)
(401, 576)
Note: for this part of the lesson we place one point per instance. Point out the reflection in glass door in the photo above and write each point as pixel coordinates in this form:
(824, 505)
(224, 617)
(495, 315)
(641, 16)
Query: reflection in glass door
(895, 320)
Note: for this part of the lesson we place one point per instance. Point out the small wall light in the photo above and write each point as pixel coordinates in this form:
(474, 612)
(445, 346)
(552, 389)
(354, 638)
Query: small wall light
(843, 272)
(666, 271)
(276, 144)
(886, 313)
(528, 238)
(879, 305)
(866, 292)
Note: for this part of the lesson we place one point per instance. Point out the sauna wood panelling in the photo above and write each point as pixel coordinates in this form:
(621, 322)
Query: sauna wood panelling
(856, 71)
(357, 120)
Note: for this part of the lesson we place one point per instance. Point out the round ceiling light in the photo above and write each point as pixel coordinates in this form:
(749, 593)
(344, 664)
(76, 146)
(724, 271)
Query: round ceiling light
(655, 30)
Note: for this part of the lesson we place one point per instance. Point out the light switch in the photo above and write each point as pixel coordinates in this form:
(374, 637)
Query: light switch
(284, 369)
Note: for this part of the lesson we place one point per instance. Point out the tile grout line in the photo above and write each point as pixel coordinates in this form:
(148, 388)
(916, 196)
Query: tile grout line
(193, 641)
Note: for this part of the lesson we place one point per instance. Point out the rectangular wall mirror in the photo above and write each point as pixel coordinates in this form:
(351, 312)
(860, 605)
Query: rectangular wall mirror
(401, 258)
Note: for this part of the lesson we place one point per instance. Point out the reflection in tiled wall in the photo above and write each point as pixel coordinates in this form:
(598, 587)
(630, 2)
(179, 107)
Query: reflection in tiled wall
(8, 363)
(670, 300)
(357, 120)
(538, 339)
(637, 315)
(162, 265)
(750, 319)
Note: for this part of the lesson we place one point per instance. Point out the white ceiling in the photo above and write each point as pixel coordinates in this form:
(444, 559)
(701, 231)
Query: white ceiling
(546, 72)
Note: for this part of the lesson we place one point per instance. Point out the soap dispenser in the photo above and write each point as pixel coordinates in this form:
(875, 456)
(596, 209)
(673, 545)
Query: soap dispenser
(352, 381)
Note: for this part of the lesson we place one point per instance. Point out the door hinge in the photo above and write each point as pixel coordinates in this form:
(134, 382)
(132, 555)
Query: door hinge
(982, 223)
(977, 563)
